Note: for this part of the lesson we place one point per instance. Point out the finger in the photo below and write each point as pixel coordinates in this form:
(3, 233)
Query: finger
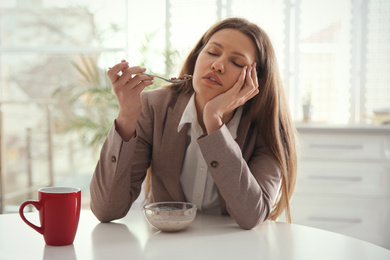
(250, 93)
(137, 80)
(112, 73)
(254, 75)
(143, 84)
(247, 85)
(250, 88)
(251, 81)
(253, 93)
(241, 79)
(128, 73)
(248, 78)
(141, 77)
(244, 97)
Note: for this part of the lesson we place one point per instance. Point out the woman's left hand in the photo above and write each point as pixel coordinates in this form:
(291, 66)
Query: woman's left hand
(243, 90)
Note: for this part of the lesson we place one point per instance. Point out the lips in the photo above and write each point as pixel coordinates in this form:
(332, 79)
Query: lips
(212, 78)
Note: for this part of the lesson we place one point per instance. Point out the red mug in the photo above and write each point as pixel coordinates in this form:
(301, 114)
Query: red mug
(59, 213)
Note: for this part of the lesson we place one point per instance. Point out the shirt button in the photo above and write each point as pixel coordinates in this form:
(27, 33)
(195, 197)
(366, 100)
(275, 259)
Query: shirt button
(113, 158)
(214, 164)
(202, 168)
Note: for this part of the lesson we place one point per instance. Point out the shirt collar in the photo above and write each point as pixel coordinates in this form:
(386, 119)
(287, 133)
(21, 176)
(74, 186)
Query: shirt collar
(189, 116)
(189, 113)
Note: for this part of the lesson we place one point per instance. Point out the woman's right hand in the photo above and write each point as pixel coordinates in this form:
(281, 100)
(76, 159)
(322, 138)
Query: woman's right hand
(127, 88)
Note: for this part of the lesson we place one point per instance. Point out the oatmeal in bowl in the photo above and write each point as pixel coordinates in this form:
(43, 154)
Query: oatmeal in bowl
(170, 216)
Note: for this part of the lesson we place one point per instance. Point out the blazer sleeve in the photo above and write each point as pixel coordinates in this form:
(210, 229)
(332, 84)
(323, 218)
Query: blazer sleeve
(248, 188)
(110, 181)
(121, 170)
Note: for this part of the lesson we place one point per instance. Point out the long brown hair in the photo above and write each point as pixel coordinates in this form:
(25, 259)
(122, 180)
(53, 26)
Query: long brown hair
(268, 109)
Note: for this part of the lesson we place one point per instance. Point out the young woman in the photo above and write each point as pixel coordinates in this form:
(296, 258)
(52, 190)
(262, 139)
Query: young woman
(224, 141)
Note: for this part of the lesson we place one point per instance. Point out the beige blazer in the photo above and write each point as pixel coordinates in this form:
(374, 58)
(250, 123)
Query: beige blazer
(246, 177)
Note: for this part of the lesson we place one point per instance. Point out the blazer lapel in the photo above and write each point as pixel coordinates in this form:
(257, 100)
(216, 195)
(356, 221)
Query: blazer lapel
(173, 148)
(174, 144)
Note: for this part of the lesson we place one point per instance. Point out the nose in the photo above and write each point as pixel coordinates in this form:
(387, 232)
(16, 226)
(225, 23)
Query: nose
(218, 66)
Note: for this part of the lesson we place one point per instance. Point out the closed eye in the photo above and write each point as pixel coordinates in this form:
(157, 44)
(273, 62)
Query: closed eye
(216, 54)
(238, 65)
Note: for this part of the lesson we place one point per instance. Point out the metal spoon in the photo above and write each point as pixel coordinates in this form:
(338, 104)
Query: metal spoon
(168, 80)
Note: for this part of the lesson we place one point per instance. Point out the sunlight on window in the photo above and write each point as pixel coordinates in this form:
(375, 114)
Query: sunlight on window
(325, 54)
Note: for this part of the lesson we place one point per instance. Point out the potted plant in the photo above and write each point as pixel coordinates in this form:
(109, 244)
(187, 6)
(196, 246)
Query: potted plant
(307, 107)
(91, 105)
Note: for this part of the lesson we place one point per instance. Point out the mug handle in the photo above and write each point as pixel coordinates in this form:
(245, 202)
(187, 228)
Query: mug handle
(37, 205)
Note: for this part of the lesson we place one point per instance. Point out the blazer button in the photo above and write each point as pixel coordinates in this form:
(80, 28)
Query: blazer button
(113, 158)
(214, 164)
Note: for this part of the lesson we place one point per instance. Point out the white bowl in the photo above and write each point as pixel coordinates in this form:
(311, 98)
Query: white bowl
(382, 111)
(170, 216)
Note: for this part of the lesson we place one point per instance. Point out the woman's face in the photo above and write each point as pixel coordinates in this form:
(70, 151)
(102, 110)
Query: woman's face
(220, 63)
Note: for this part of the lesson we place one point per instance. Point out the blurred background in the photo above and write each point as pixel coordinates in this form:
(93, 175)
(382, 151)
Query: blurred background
(56, 104)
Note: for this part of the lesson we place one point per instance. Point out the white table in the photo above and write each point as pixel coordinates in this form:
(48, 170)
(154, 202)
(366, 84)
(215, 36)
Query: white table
(208, 237)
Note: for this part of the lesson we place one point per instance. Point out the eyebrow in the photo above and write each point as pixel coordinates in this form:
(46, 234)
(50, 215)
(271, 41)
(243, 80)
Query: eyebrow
(234, 52)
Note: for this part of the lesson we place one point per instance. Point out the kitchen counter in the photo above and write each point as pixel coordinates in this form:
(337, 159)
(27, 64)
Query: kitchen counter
(343, 180)
(342, 128)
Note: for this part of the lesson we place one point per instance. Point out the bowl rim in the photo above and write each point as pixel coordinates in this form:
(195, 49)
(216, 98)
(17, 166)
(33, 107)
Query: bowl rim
(146, 207)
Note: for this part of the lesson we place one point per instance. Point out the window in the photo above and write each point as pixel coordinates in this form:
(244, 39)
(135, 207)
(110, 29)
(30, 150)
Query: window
(324, 59)
(375, 57)
(41, 45)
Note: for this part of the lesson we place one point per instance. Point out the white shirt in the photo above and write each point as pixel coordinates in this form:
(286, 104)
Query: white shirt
(196, 181)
